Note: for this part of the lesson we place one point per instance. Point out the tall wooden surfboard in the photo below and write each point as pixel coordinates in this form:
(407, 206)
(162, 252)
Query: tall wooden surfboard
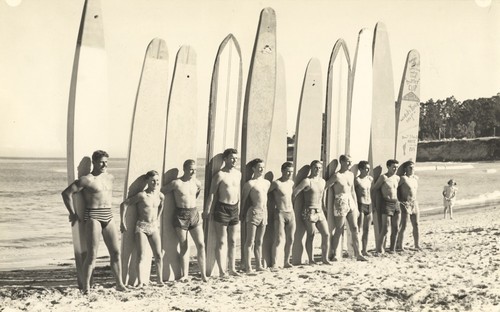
(338, 103)
(224, 127)
(408, 110)
(360, 117)
(383, 130)
(180, 145)
(146, 147)
(88, 95)
(259, 102)
(308, 134)
(276, 157)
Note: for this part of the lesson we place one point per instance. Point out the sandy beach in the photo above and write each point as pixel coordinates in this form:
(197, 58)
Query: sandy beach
(457, 270)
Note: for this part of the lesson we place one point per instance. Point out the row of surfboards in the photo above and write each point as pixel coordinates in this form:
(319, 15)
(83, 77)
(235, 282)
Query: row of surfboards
(360, 118)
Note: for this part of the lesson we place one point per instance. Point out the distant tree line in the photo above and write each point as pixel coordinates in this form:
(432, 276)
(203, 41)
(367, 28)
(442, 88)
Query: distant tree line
(449, 118)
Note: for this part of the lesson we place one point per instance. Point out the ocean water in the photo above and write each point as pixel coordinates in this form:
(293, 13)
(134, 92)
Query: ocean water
(34, 227)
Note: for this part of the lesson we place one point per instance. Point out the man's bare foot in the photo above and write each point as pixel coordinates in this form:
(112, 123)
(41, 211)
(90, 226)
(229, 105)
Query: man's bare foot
(312, 262)
(325, 261)
(234, 273)
(334, 259)
(288, 265)
(260, 269)
(364, 253)
(183, 279)
(361, 258)
(222, 274)
(204, 278)
(121, 288)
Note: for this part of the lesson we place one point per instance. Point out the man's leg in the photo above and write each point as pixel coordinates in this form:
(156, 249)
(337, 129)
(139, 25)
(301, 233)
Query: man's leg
(351, 219)
(383, 232)
(92, 228)
(183, 248)
(197, 235)
(451, 210)
(259, 237)
(414, 218)
(309, 241)
(249, 243)
(367, 221)
(110, 236)
(221, 239)
(155, 243)
(140, 241)
(279, 237)
(290, 234)
(231, 242)
(339, 230)
(395, 220)
(322, 227)
(403, 224)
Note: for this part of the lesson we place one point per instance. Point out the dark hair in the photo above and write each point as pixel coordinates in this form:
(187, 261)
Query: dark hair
(151, 173)
(407, 164)
(391, 162)
(188, 163)
(254, 162)
(314, 162)
(286, 165)
(362, 164)
(229, 151)
(344, 157)
(97, 155)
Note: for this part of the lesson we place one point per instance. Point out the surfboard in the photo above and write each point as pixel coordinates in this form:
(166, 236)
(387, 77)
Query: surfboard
(276, 157)
(309, 129)
(338, 101)
(408, 110)
(383, 128)
(258, 109)
(146, 147)
(224, 128)
(88, 95)
(180, 145)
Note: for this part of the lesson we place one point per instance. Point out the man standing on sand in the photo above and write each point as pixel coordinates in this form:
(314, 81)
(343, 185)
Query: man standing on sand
(225, 188)
(284, 216)
(388, 206)
(313, 187)
(344, 205)
(449, 194)
(187, 218)
(149, 205)
(255, 217)
(362, 186)
(407, 195)
(97, 188)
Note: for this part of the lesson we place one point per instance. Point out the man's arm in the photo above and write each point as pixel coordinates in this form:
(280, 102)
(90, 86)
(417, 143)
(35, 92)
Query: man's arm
(67, 196)
(213, 189)
(331, 181)
(123, 209)
(244, 196)
(198, 186)
(160, 206)
(302, 186)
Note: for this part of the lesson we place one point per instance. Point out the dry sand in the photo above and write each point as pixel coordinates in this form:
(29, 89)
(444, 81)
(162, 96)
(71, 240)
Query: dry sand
(458, 270)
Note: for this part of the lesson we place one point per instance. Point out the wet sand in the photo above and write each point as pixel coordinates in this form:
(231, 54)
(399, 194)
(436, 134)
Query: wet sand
(457, 270)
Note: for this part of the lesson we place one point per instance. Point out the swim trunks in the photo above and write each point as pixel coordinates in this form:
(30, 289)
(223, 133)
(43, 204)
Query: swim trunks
(103, 215)
(313, 215)
(390, 208)
(410, 207)
(145, 227)
(256, 216)
(366, 209)
(341, 205)
(284, 217)
(186, 218)
(226, 214)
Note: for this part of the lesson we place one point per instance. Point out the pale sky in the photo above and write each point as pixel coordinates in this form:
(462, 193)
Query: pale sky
(458, 41)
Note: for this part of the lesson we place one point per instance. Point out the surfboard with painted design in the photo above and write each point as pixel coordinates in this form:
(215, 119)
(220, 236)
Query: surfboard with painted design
(180, 145)
(146, 148)
(258, 113)
(224, 128)
(308, 134)
(88, 95)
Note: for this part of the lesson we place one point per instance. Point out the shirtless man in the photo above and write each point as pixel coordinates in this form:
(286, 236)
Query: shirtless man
(313, 187)
(149, 205)
(284, 217)
(449, 194)
(187, 218)
(362, 186)
(255, 217)
(344, 205)
(389, 208)
(97, 188)
(225, 187)
(407, 195)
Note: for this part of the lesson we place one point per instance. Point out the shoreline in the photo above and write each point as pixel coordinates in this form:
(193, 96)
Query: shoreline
(458, 269)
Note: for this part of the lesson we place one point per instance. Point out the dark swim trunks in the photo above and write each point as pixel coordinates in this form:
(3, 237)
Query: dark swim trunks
(366, 209)
(103, 215)
(186, 218)
(226, 214)
(390, 208)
